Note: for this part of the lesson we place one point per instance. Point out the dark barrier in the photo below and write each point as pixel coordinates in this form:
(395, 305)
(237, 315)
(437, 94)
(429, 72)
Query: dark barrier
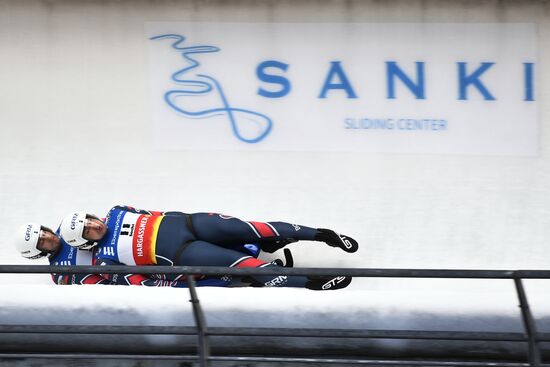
(531, 337)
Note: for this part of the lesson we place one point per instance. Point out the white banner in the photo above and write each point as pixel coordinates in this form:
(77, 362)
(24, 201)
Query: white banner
(378, 87)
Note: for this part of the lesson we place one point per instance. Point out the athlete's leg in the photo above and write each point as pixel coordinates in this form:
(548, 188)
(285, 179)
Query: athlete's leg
(226, 230)
(229, 231)
(200, 253)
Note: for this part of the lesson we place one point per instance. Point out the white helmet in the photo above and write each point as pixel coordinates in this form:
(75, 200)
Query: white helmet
(72, 229)
(27, 240)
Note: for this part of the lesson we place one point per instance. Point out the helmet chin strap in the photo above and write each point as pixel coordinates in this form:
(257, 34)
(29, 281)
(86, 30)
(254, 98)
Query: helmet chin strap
(40, 255)
(88, 245)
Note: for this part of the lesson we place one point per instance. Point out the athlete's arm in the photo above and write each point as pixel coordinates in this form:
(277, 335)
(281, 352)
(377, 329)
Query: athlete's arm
(156, 280)
(69, 279)
(143, 211)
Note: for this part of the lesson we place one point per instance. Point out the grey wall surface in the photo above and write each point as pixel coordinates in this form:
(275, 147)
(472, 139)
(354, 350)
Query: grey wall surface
(76, 134)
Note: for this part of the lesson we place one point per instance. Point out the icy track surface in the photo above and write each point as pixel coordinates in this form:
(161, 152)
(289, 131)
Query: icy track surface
(422, 305)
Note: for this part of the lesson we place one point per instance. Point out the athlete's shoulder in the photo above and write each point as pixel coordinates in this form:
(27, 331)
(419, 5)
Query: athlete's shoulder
(117, 208)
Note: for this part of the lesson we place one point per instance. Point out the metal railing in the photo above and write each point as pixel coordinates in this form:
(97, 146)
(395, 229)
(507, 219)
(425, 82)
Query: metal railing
(531, 337)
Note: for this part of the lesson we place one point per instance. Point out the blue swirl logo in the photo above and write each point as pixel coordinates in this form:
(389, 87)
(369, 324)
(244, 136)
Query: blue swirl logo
(247, 125)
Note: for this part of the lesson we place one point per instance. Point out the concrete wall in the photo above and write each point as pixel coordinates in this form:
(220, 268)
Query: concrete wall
(76, 134)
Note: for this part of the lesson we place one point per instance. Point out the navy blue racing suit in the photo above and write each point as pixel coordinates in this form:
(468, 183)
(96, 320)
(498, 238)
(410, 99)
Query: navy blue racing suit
(142, 237)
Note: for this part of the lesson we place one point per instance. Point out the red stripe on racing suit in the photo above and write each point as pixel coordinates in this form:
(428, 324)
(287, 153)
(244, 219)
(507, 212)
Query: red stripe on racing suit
(249, 262)
(263, 229)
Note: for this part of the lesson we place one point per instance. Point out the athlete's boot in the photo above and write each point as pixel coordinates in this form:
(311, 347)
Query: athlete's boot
(334, 239)
(287, 263)
(324, 283)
